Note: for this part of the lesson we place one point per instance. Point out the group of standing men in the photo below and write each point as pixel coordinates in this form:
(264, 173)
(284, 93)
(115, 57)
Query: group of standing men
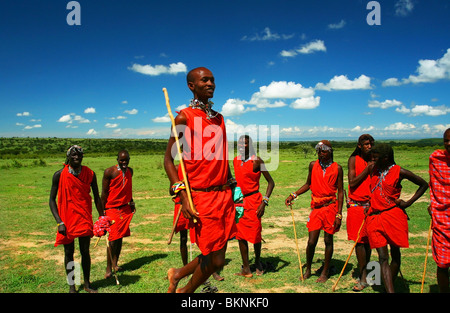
(71, 206)
(376, 216)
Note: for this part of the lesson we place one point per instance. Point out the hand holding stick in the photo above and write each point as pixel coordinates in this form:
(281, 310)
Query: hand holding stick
(183, 170)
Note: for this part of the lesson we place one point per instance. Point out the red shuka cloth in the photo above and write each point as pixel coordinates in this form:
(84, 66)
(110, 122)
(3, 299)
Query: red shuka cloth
(205, 157)
(439, 169)
(323, 198)
(117, 208)
(386, 223)
(355, 214)
(75, 204)
(249, 227)
(183, 223)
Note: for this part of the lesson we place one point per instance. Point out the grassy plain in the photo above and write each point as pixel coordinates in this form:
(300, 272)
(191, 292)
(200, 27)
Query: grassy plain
(31, 264)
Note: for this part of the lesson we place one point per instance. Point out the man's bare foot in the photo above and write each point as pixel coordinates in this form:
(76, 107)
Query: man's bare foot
(173, 281)
(72, 289)
(88, 288)
(108, 275)
(306, 274)
(322, 278)
(244, 273)
(217, 277)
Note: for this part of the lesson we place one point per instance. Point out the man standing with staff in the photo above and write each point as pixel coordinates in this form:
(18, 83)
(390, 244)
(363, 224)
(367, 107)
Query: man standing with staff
(325, 178)
(205, 159)
(439, 169)
(117, 199)
(360, 166)
(73, 211)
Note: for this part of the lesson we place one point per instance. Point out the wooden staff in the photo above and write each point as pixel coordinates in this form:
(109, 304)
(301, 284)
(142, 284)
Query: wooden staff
(426, 258)
(183, 170)
(350, 254)
(174, 227)
(110, 256)
(296, 244)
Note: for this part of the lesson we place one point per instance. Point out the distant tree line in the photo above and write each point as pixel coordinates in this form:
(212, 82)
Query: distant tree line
(37, 147)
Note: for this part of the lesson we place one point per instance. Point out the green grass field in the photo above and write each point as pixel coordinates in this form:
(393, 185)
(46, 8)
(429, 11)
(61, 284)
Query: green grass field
(31, 264)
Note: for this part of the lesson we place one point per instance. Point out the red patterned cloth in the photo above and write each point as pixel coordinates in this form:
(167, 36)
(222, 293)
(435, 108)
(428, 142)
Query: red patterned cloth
(75, 204)
(439, 169)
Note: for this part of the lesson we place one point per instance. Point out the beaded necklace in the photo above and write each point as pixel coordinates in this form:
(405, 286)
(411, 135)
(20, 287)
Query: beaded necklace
(197, 104)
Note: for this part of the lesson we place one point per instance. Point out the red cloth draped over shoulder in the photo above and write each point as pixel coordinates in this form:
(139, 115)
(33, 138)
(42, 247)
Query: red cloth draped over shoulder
(439, 169)
(119, 195)
(385, 191)
(205, 149)
(360, 193)
(323, 185)
(386, 223)
(120, 190)
(249, 227)
(75, 204)
(246, 178)
(205, 157)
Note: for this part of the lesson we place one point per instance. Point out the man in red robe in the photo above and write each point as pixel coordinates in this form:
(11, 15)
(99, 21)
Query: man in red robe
(117, 199)
(360, 166)
(205, 157)
(387, 222)
(325, 178)
(439, 169)
(247, 169)
(73, 211)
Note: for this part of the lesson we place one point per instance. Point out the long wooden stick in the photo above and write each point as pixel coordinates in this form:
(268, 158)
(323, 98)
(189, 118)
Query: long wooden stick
(350, 254)
(110, 256)
(426, 257)
(296, 244)
(183, 170)
(174, 227)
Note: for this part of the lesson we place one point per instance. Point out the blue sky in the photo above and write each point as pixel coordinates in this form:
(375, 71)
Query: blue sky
(314, 69)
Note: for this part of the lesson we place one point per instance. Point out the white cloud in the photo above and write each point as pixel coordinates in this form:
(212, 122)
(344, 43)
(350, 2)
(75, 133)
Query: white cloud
(65, 118)
(131, 112)
(311, 47)
(72, 117)
(157, 70)
(23, 114)
(424, 110)
(339, 25)
(233, 107)
(306, 103)
(428, 71)
(267, 35)
(341, 82)
(400, 126)
(89, 110)
(33, 126)
(404, 7)
(285, 90)
(111, 125)
(391, 82)
(91, 132)
(385, 104)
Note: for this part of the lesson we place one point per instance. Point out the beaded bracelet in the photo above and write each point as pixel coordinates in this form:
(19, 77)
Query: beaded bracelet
(265, 199)
(293, 195)
(178, 186)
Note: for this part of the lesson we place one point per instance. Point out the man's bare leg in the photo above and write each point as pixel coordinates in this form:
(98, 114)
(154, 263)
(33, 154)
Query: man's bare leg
(328, 239)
